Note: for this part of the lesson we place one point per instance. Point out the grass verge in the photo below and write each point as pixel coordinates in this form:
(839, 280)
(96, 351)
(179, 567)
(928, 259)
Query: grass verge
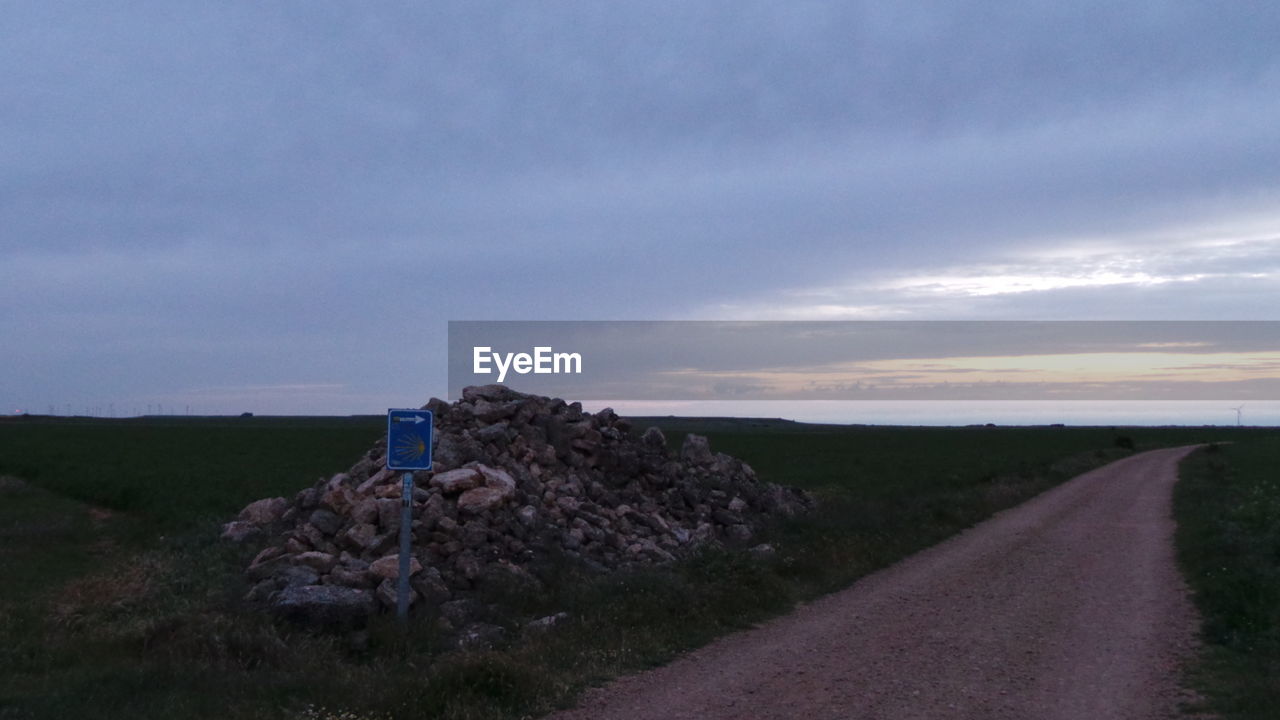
(1227, 503)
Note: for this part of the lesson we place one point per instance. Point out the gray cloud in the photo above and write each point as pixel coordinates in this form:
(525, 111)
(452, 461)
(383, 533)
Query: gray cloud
(197, 194)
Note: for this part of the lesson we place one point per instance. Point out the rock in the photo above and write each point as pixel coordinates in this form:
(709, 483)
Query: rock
(363, 468)
(388, 593)
(307, 499)
(384, 475)
(469, 565)
(265, 511)
(365, 511)
(493, 392)
(784, 501)
(546, 456)
(321, 562)
(558, 438)
(527, 516)
(338, 499)
(738, 533)
(478, 500)
(431, 586)
(352, 577)
(267, 553)
(456, 481)
(238, 531)
(325, 521)
(389, 514)
(495, 433)
(480, 636)
(452, 451)
(269, 567)
(294, 575)
(324, 604)
(388, 567)
(433, 509)
(724, 517)
(363, 536)
(498, 480)
(474, 534)
(763, 551)
(311, 534)
(696, 450)
(704, 532)
(654, 439)
(544, 624)
(573, 413)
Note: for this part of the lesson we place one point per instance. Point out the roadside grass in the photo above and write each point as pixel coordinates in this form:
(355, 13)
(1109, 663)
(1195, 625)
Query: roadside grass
(1227, 503)
(139, 616)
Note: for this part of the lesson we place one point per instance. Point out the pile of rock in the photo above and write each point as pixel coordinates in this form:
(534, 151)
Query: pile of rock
(517, 479)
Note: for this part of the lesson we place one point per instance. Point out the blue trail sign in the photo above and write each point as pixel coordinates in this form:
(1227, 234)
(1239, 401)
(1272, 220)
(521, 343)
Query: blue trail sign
(409, 439)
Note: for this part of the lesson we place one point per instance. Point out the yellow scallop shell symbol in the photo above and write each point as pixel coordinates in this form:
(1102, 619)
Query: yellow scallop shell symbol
(410, 447)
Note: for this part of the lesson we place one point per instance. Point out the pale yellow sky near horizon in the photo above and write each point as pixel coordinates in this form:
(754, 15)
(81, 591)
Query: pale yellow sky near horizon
(1158, 365)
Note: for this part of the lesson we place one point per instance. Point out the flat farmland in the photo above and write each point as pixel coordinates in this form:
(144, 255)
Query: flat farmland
(121, 602)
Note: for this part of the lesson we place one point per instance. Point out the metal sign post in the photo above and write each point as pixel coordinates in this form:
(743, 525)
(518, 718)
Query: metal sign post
(409, 449)
(406, 533)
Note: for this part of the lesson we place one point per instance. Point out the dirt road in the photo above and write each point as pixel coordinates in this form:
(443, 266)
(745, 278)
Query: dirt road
(1066, 607)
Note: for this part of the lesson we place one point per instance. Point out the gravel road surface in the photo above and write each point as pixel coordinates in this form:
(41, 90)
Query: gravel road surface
(1068, 606)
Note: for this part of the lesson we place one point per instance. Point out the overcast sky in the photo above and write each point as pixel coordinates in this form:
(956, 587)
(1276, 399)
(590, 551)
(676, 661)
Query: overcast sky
(277, 206)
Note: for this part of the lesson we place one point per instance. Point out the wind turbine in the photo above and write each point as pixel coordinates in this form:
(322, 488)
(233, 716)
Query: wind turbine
(1238, 409)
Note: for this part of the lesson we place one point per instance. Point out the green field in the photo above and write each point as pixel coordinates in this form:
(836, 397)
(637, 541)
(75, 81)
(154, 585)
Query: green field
(173, 472)
(120, 602)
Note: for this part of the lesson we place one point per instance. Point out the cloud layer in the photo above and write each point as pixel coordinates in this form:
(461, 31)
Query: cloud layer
(202, 195)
